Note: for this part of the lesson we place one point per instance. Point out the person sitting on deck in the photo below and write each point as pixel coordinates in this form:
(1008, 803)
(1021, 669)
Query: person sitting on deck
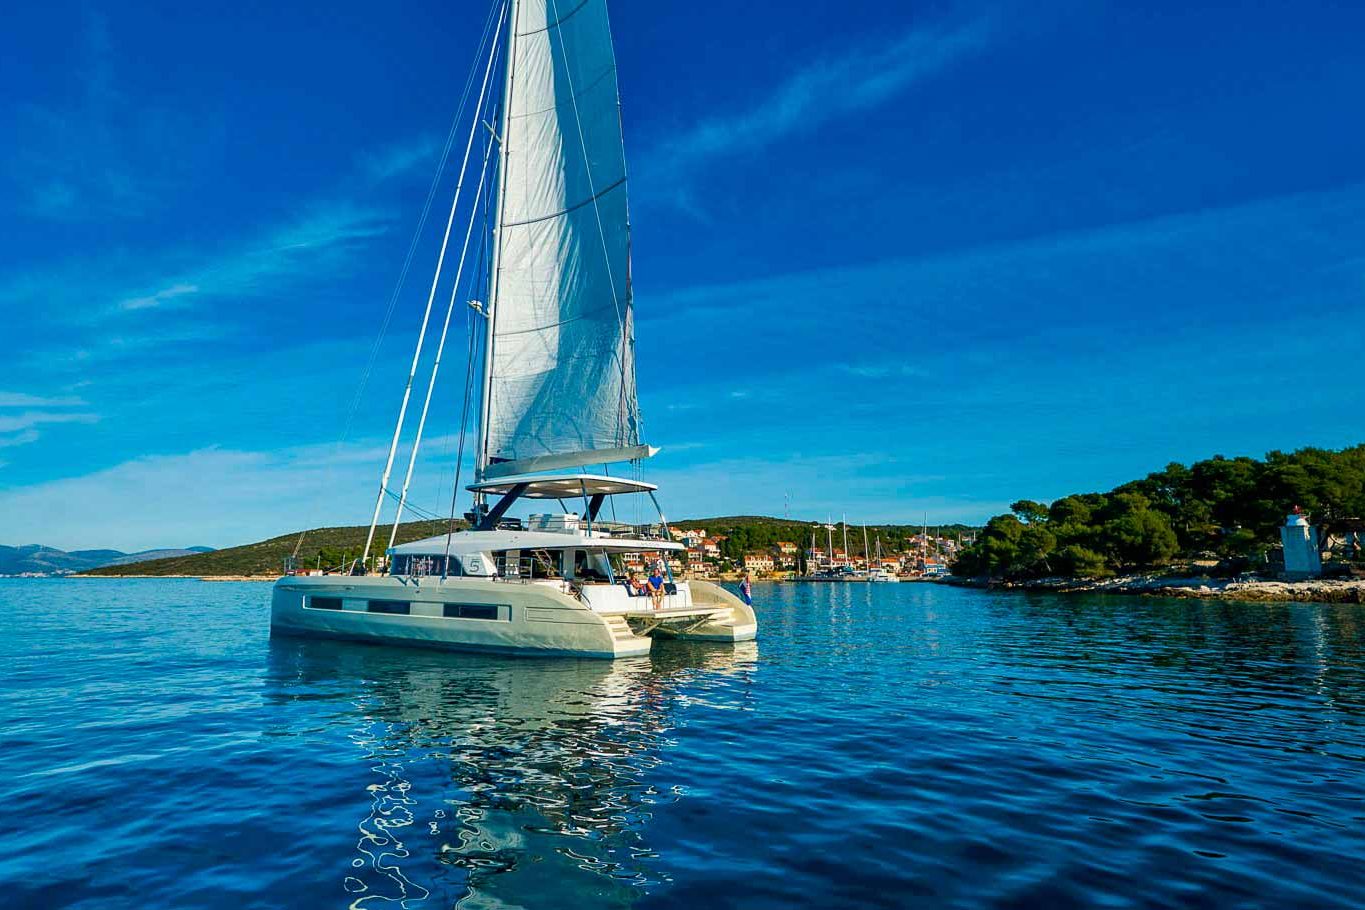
(656, 586)
(634, 586)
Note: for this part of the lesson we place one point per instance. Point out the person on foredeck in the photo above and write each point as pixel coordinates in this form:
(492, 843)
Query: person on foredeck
(746, 590)
(635, 586)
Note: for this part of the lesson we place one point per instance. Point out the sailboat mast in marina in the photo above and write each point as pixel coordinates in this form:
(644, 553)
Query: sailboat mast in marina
(556, 387)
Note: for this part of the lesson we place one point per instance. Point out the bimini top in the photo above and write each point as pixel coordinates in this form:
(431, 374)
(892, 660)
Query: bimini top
(561, 486)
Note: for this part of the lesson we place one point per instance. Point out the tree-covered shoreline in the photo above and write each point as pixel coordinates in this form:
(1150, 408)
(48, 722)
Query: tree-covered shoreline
(1222, 508)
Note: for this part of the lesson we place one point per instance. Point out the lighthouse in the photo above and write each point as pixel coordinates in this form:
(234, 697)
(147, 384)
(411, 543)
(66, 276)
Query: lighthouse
(1302, 559)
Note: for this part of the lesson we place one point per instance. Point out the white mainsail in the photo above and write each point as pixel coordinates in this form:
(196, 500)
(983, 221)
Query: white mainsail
(559, 358)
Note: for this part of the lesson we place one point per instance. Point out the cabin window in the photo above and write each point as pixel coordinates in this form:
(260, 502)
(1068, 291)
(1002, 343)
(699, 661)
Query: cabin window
(591, 565)
(392, 607)
(425, 566)
(325, 603)
(473, 611)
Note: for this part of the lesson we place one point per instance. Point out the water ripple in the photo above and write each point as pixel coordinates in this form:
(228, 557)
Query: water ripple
(882, 746)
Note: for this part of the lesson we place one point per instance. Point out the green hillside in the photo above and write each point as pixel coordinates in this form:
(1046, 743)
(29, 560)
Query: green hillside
(330, 546)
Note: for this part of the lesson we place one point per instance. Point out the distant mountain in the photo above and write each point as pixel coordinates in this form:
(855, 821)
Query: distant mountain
(36, 559)
(148, 555)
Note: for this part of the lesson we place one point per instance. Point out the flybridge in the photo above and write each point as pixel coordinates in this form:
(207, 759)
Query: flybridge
(592, 489)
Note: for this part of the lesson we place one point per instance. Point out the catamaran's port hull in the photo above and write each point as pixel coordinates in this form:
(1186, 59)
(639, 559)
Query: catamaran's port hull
(515, 619)
(484, 615)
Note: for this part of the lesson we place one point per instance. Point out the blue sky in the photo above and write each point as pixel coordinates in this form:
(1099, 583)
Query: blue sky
(890, 259)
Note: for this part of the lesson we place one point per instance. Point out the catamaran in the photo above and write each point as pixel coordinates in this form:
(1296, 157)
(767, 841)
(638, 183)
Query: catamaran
(881, 572)
(549, 293)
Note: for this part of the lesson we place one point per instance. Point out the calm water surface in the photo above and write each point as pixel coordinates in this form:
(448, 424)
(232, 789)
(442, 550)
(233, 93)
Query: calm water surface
(881, 746)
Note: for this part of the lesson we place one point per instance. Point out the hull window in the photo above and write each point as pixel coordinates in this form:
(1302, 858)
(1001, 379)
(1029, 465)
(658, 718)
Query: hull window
(325, 603)
(473, 611)
(392, 607)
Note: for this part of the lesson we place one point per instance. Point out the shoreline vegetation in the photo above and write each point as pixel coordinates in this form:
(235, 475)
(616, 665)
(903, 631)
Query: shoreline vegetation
(1212, 528)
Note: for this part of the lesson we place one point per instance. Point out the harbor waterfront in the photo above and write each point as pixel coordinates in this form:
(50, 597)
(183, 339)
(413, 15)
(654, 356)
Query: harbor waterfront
(881, 746)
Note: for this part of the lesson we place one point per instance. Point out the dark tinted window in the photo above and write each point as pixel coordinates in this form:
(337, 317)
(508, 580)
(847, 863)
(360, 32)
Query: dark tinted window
(471, 611)
(325, 603)
(395, 607)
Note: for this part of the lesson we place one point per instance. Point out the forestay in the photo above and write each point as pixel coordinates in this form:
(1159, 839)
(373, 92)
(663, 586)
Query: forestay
(561, 362)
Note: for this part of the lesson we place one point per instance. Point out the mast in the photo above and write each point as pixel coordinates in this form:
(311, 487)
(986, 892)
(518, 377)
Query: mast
(829, 539)
(847, 562)
(558, 380)
(867, 554)
(495, 265)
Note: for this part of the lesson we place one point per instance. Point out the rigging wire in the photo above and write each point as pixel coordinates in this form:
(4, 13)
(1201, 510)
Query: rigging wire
(378, 343)
(426, 316)
(454, 291)
(468, 392)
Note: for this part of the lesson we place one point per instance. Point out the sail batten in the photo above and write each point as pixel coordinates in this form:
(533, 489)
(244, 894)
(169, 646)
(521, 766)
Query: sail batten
(557, 22)
(571, 208)
(559, 359)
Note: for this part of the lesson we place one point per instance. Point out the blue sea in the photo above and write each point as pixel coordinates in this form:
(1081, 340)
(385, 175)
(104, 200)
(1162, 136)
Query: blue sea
(881, 746)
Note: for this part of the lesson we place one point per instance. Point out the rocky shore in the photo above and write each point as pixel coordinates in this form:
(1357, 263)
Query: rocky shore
(1315, 591)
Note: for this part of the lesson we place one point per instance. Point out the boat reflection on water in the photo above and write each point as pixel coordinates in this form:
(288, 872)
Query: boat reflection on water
(493, 782)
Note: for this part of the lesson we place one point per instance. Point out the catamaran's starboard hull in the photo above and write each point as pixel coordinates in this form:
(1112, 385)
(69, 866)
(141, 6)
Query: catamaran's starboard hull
(459, 614)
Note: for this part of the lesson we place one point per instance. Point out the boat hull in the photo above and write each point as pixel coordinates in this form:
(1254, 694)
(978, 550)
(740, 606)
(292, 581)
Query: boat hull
(527, 619)
(739, 624)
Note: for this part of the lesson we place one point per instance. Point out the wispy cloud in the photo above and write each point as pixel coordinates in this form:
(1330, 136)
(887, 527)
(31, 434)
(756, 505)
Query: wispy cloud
(22, 438)
(308, 244)
(24, 400)
(21, 414)
(883, 370)
(99, 153)
(103, 307)
(823, 91)
(400, 158)
(160, 297)
(28, 419)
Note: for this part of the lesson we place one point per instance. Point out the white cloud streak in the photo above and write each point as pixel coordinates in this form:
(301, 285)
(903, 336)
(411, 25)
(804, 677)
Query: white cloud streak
(160, 297)
(824, 91)
(23, 400)
(19, 439)
(400, 159)
(27, 419)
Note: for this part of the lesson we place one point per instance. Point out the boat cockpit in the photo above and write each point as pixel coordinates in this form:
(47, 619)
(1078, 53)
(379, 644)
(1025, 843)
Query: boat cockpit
(610, 566)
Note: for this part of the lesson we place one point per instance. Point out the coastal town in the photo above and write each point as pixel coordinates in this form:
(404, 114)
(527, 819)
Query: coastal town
(832, 548)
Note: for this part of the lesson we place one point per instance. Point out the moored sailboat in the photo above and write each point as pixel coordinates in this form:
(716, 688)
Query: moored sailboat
(556, 392)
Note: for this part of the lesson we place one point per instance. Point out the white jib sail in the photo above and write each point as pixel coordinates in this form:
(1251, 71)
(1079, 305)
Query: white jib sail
(562, 367)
